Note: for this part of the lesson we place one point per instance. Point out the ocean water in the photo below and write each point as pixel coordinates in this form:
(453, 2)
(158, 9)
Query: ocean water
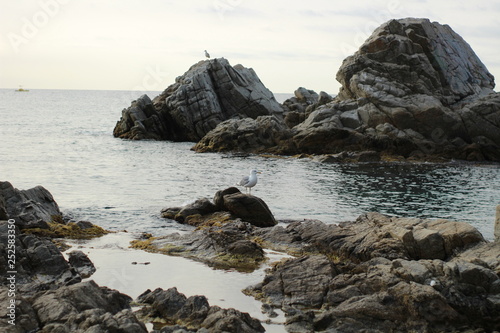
(63, 140)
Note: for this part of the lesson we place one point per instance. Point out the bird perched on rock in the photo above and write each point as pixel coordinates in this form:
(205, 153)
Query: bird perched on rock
(207, 54)
(249, 181)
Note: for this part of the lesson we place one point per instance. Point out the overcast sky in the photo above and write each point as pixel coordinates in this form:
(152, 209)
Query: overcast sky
(144, 45)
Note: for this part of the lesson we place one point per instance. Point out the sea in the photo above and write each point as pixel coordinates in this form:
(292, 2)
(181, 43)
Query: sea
(62, 140)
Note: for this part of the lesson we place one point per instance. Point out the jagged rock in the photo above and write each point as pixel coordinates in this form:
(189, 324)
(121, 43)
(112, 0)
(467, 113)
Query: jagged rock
(415, 89)
(245, 135)
(209, 93)
(383, 274)
(39, 263)
(86, 306)
(221, 246)
(194, 312)
(31, 208)
(81, 263)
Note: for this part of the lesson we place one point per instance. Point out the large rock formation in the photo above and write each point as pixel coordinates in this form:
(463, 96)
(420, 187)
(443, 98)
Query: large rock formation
(210, 92)
(415, 88)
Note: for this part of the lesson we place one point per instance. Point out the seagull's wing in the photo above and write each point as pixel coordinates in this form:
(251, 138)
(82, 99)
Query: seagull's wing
(244, 181)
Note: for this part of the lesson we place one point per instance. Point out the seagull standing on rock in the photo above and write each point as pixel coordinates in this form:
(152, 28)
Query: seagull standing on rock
(249, 181)
(207, 54)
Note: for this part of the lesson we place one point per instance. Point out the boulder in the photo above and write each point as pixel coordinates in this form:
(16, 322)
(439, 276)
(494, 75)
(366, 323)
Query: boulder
(79, 260)
(209, 93)
(31, 208)
(249, 208)
(229, 204)
(181, 312)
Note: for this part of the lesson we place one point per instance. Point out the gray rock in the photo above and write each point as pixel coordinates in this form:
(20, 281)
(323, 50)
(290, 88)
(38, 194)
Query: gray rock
(249, 208)
(209, 93)
(194, 312)
(81, 262)
(85, 306)
(224, 246)
(228, 204)
(417, 77)
(30, 208)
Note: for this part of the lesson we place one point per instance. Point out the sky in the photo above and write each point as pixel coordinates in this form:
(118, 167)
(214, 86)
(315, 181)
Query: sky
(144, 45)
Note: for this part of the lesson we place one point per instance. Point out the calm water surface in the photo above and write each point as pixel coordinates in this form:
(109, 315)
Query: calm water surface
(62, 139)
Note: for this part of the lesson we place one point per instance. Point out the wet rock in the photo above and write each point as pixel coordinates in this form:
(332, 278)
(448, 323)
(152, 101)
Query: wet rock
(31, 208)
(81, 263)
(209, 93)
(193, 312)
(225, 246)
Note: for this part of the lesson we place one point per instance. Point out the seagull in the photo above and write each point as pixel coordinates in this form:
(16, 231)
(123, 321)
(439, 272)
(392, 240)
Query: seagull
(207, 55)
(249, 181)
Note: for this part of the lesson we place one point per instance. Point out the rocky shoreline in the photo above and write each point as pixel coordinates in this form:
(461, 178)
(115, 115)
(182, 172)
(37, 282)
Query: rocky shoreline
(414, 91)
(378, 273)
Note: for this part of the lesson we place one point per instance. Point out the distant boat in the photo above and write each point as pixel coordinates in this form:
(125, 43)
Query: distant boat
(21, 89)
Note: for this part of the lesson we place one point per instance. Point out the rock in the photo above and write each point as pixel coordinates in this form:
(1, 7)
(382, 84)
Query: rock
(86, 306)
(194, 312)
(39, 263)
(31, 208)
(245, 135)
(414, 89)
(221, 246)
(382, 274)
(209, 93)
(81, 263)
(497, 224)
(249, 208)
(229, 204)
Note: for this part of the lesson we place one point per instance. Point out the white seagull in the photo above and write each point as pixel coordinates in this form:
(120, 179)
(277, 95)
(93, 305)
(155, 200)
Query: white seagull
(207, 55)
(249, 181)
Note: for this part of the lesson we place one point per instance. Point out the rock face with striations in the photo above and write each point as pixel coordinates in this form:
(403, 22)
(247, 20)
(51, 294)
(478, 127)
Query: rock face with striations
(210, 92)
(415, 88)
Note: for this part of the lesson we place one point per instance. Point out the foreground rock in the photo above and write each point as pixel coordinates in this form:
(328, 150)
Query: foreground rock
(181, 312)
(414, 89)
(384, 275)
(210, 92)
(221, 246)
